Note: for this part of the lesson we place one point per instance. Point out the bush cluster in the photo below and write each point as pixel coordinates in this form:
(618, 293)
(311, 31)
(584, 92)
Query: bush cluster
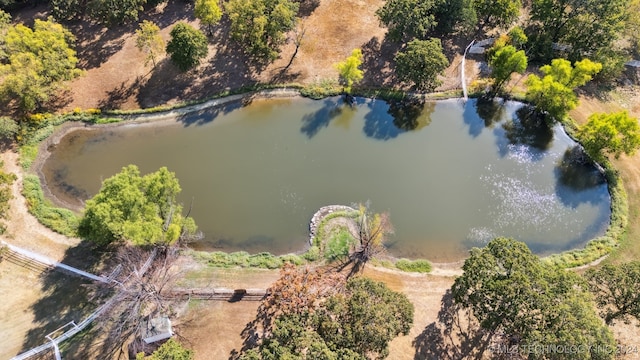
(244, 259)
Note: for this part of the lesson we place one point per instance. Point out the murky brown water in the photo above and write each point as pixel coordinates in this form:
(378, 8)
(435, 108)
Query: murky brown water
(449, 178)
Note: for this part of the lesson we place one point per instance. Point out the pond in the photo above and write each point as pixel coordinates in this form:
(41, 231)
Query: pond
(452, 175)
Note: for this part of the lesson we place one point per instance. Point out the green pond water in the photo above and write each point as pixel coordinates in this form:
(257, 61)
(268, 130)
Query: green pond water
(450, 178)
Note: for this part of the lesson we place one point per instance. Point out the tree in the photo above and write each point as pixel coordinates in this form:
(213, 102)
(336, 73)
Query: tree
(365, 318)
(172, 350)
(107, 12)
(617, 290)
(149, 41)
(115, 12)
(494, 13)
(505, 61)
(313, 314)
(208, 12)
(141, 209)
(553, 94)
(613, 134)
(67, 10)
(585, 26)
(408, 19)
(259, 25)
(187, 46)
(421, 63)
(349, 70)
(632, 28)
(455, 14)
(508, 289)
(36, 62)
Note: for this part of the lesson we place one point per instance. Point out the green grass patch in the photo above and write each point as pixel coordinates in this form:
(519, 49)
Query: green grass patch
(321, 229)
(419, 265)
(28, 154)
(338, 244)
(243, 259)
(321, 89)
(62, 221)
(383, 263)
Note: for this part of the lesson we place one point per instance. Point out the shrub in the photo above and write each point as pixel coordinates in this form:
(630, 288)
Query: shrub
(265, 260)
(419, 266)
(313, 254)
(321, 89)
(292, 258)
(28, 154)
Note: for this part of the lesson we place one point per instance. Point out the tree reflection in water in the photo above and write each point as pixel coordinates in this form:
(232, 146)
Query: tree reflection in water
(402, 116)
(528, 129)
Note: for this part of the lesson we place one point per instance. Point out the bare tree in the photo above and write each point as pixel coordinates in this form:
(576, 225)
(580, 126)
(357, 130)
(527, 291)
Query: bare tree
(135, 297)
(370, 232)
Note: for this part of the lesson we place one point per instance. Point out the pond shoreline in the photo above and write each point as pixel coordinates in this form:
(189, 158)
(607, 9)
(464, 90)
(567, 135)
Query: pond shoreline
(164, 118)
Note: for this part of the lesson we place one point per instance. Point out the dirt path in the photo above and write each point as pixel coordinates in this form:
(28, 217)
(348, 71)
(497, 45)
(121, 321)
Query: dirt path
(23, 229)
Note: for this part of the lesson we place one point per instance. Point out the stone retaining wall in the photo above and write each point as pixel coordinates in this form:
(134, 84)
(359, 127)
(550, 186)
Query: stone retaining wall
(317, 218)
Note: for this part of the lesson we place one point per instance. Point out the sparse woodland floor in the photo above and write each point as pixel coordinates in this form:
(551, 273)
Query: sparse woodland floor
(117, 78)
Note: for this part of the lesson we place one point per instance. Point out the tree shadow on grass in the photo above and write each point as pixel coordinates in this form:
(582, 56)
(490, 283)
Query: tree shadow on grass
(455, 335)
(378, 62)
(228, 69)
(66, 297)
(95, 43)
(119, 95)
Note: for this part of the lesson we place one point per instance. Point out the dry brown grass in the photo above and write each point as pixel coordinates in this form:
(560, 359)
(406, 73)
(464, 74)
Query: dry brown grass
(629, 166)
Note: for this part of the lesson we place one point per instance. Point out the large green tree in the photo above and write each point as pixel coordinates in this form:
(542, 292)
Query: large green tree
(259, 25)
(510, 290)
(187, 46)
(420, 63)
(365, 318)
(67, 10)
(107, 12)
(36, 62)
(141, 209)
(149, 41)
(492, 13)
(586, 26)
(115, 12)
(408, 19)
(349, 70)
(553, 93)
(503, 62)
(610, 134)
(617, 290)
(454, 15)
